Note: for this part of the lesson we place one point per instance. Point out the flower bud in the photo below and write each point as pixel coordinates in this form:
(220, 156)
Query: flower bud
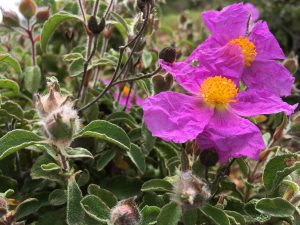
(182, 19)
(10, 18)
(94, 27)
(209, 157)
(291, 64)
(168, 54)
(108, 32)
(191, 191)
(125, 213)
(58, 118)
(27, 8)
(42, 14)
(162, 83)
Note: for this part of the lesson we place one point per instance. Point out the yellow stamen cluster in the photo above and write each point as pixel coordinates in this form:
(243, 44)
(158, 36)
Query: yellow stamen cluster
(125, 91)
(218, 91)
(248, 49)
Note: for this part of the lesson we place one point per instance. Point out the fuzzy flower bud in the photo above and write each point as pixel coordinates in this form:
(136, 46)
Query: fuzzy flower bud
(291, 63)
(58, 118)
(27, 8)
(42, 14)
(125, 213)
(168, 54)
(190, 190)
(10, 18)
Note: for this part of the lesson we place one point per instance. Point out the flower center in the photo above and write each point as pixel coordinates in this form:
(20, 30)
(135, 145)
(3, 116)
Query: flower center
(218, 91)
(125, 91)
(248, 49)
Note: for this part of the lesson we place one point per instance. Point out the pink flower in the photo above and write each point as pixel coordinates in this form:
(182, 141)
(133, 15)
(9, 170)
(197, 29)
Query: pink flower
(212, 112)
(260, 49)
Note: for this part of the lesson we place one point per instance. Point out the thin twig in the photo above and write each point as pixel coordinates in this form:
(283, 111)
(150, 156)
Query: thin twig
(82, 11)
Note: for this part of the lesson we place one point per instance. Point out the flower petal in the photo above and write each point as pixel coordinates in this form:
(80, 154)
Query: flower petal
(269, 75)
(227, 24)
(254, 102)
(231, 136)
(253, 11)
(188, 76)
(175, 117)
(267, 47)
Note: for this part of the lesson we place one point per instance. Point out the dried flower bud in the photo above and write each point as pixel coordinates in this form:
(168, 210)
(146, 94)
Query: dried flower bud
(191, 191)
(162, 83)
(125, 213)
(10, 18)
(209, 157)
(279, 130)
(291, 64)
(27, 8)
(108, 32)
(69, 34)
(42, 14)
(94, 27)
(182, 18)
(168, 54)
(58, 118)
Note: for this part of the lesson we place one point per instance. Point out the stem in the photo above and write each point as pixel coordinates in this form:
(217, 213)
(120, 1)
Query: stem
(82, 11)
(116, 74)
(128, 96)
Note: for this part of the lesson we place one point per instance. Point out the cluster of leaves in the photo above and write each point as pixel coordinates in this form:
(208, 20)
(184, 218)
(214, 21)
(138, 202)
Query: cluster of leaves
(114, 157)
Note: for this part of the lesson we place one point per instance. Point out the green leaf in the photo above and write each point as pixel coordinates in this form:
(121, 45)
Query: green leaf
(122, 117)
(104, 158)
(137, 157)
(107, 131)
(50, 167)
(239, 219)
(190, 217)
(149, 215)
(278, 168)
(95, 208)
(32, 79)
(106, 196)
(72, 56)
(58, 197)
(121, 25)
(8, 59)
(51, 24)
(147, 59)
(251, 210)
(216, 215)
(11, 88)
(170, 214)
(27, 208)
(74, 153)
(75, 212)
(16, 140)
(276, 207)
(12, 109)
(157, 185)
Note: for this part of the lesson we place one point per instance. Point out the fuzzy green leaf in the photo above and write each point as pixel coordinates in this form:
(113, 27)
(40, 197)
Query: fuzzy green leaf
(169, 215)
(27, 207)
(8, 59)
(16, 140)
(276, 207)
(11, 88)
(137, 157)
(51, 24)
(108, 132)
(75, 212)
(157, 185)
(104, 158)
(32, 79)
(149, 215)
(216, 215)
(95, 208)
(106, 196)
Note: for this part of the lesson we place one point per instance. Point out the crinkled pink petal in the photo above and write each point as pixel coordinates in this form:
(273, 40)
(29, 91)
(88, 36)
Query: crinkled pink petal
(188, 76)
(253, 11)
(227, 24)
(267, 47)
(175, 117)
(254, 102)
(232, 137)
(227, 61)
(269, 75)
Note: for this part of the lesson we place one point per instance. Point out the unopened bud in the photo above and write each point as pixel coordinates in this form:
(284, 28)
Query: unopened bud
(209, 157)
(191, 191)
(10, 18)
(125, 213)
(27, 8)
(108, 32)
(279, 130)
(162, 83)
(94, 27)
(291, 64)
(168, 54)
(42, 14)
